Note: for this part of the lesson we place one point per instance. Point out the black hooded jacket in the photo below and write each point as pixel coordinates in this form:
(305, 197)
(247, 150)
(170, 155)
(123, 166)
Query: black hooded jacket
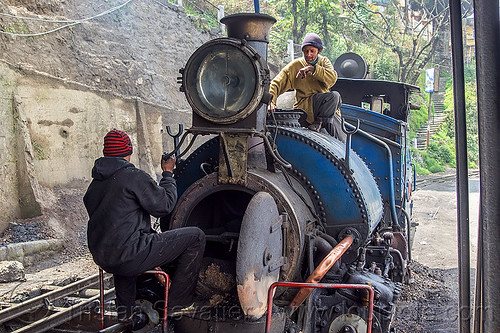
(119, 202)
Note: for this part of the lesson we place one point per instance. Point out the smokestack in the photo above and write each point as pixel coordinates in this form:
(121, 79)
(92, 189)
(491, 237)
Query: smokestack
(252, 27)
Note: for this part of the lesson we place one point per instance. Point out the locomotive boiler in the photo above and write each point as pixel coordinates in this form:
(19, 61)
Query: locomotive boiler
(281, 203)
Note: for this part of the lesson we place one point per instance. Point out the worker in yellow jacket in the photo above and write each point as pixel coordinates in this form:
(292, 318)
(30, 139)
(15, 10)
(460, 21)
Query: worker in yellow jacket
(311, 77)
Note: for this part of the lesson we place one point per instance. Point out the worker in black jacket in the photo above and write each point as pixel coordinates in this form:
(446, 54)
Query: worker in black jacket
(120, 201)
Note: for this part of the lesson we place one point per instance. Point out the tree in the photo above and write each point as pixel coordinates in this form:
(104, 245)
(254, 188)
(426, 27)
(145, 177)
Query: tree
(298, 17)
(412, 33)
(413, 30)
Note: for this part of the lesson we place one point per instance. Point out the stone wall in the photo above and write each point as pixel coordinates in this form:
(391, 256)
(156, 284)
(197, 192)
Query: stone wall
(135, 51)
(51, 131)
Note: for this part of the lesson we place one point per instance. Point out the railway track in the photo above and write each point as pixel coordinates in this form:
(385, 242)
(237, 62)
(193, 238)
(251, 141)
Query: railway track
(421, 183)
(73, 308)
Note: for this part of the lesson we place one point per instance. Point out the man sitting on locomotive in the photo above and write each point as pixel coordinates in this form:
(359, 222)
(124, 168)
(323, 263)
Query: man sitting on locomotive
(312, 77)
(120, 201)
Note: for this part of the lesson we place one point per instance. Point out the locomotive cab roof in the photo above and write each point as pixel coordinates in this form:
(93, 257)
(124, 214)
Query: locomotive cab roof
(393, 97)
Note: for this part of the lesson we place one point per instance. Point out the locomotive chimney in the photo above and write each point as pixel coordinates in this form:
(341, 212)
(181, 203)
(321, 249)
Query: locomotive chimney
(254, 28)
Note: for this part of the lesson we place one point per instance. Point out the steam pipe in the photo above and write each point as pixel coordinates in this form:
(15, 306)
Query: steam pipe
(392, 198)
(274, 152)
(310, 253)
(333, 242)
(320, 271)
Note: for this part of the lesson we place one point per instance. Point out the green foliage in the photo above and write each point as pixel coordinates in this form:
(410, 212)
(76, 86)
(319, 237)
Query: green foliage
(16, 27)
(442, 146)
(418, 117)
(442, 149)
(385, 68)
(430, 163)
(448, 127)
(421, 171)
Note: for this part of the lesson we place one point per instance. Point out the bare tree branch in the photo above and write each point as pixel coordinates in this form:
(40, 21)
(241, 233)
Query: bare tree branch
(365, 25)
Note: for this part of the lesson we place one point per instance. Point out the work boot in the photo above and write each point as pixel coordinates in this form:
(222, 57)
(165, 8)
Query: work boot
(139, 320)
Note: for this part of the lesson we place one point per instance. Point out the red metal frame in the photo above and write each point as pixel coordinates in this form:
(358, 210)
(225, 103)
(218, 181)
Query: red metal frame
(101, 296)
(321, 286)
(167, 285)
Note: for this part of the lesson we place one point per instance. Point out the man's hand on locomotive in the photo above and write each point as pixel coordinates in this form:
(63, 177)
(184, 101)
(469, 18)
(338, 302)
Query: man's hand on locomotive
(169, 163)
(304, 70)
(271, 107)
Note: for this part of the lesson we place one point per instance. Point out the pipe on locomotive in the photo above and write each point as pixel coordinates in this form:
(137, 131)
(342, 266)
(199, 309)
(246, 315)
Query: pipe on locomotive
(320, 271)
(394, 215)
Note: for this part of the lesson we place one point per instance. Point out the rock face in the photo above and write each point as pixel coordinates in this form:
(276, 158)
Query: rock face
(11, 271)
(136, 50)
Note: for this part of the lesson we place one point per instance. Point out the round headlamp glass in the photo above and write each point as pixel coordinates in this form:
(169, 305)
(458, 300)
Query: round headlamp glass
(221, 81)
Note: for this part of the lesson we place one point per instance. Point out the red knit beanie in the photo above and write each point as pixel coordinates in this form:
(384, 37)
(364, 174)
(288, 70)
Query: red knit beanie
(117, 143)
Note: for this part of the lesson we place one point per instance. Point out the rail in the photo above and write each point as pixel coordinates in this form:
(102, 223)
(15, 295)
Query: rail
(55, 315)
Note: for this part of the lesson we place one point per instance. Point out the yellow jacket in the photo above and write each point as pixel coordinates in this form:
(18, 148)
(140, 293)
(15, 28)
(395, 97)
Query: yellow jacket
(323, 78)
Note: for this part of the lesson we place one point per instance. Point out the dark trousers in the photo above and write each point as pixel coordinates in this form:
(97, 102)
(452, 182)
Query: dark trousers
(325, 106)
(185, 247)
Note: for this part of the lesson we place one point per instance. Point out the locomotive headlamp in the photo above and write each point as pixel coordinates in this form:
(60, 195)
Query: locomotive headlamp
(225, 80)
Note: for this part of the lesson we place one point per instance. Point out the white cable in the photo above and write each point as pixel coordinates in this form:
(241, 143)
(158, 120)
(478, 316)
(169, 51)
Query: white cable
(70, 24)
(36, 18)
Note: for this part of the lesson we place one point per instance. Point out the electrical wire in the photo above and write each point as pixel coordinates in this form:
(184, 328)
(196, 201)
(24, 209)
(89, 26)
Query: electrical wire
(37, 19)
(76, 22)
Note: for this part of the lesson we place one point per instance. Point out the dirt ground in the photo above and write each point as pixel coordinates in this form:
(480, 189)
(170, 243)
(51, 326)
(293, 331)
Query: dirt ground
(428, 304)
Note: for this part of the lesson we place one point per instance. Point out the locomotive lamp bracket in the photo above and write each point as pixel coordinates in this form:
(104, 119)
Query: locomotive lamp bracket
(233, 158)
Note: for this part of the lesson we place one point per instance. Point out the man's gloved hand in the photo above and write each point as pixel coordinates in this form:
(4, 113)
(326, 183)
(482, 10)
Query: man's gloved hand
(168, 164)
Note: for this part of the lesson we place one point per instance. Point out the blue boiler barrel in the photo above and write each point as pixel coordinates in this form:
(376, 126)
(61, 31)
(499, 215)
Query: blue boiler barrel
(343, 197)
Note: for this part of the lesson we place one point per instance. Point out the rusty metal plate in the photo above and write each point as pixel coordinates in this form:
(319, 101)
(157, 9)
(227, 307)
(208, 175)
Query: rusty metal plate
(233, 159)
(259, 256)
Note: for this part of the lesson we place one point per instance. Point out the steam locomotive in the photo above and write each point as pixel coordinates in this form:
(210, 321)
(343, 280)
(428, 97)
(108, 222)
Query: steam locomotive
(282, 204)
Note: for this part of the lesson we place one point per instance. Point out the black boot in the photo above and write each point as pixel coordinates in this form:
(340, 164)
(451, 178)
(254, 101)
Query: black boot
(139, 320)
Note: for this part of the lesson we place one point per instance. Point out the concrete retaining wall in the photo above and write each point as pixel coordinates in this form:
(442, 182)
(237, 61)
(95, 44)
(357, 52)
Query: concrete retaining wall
(51, 131)
(30, 252)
